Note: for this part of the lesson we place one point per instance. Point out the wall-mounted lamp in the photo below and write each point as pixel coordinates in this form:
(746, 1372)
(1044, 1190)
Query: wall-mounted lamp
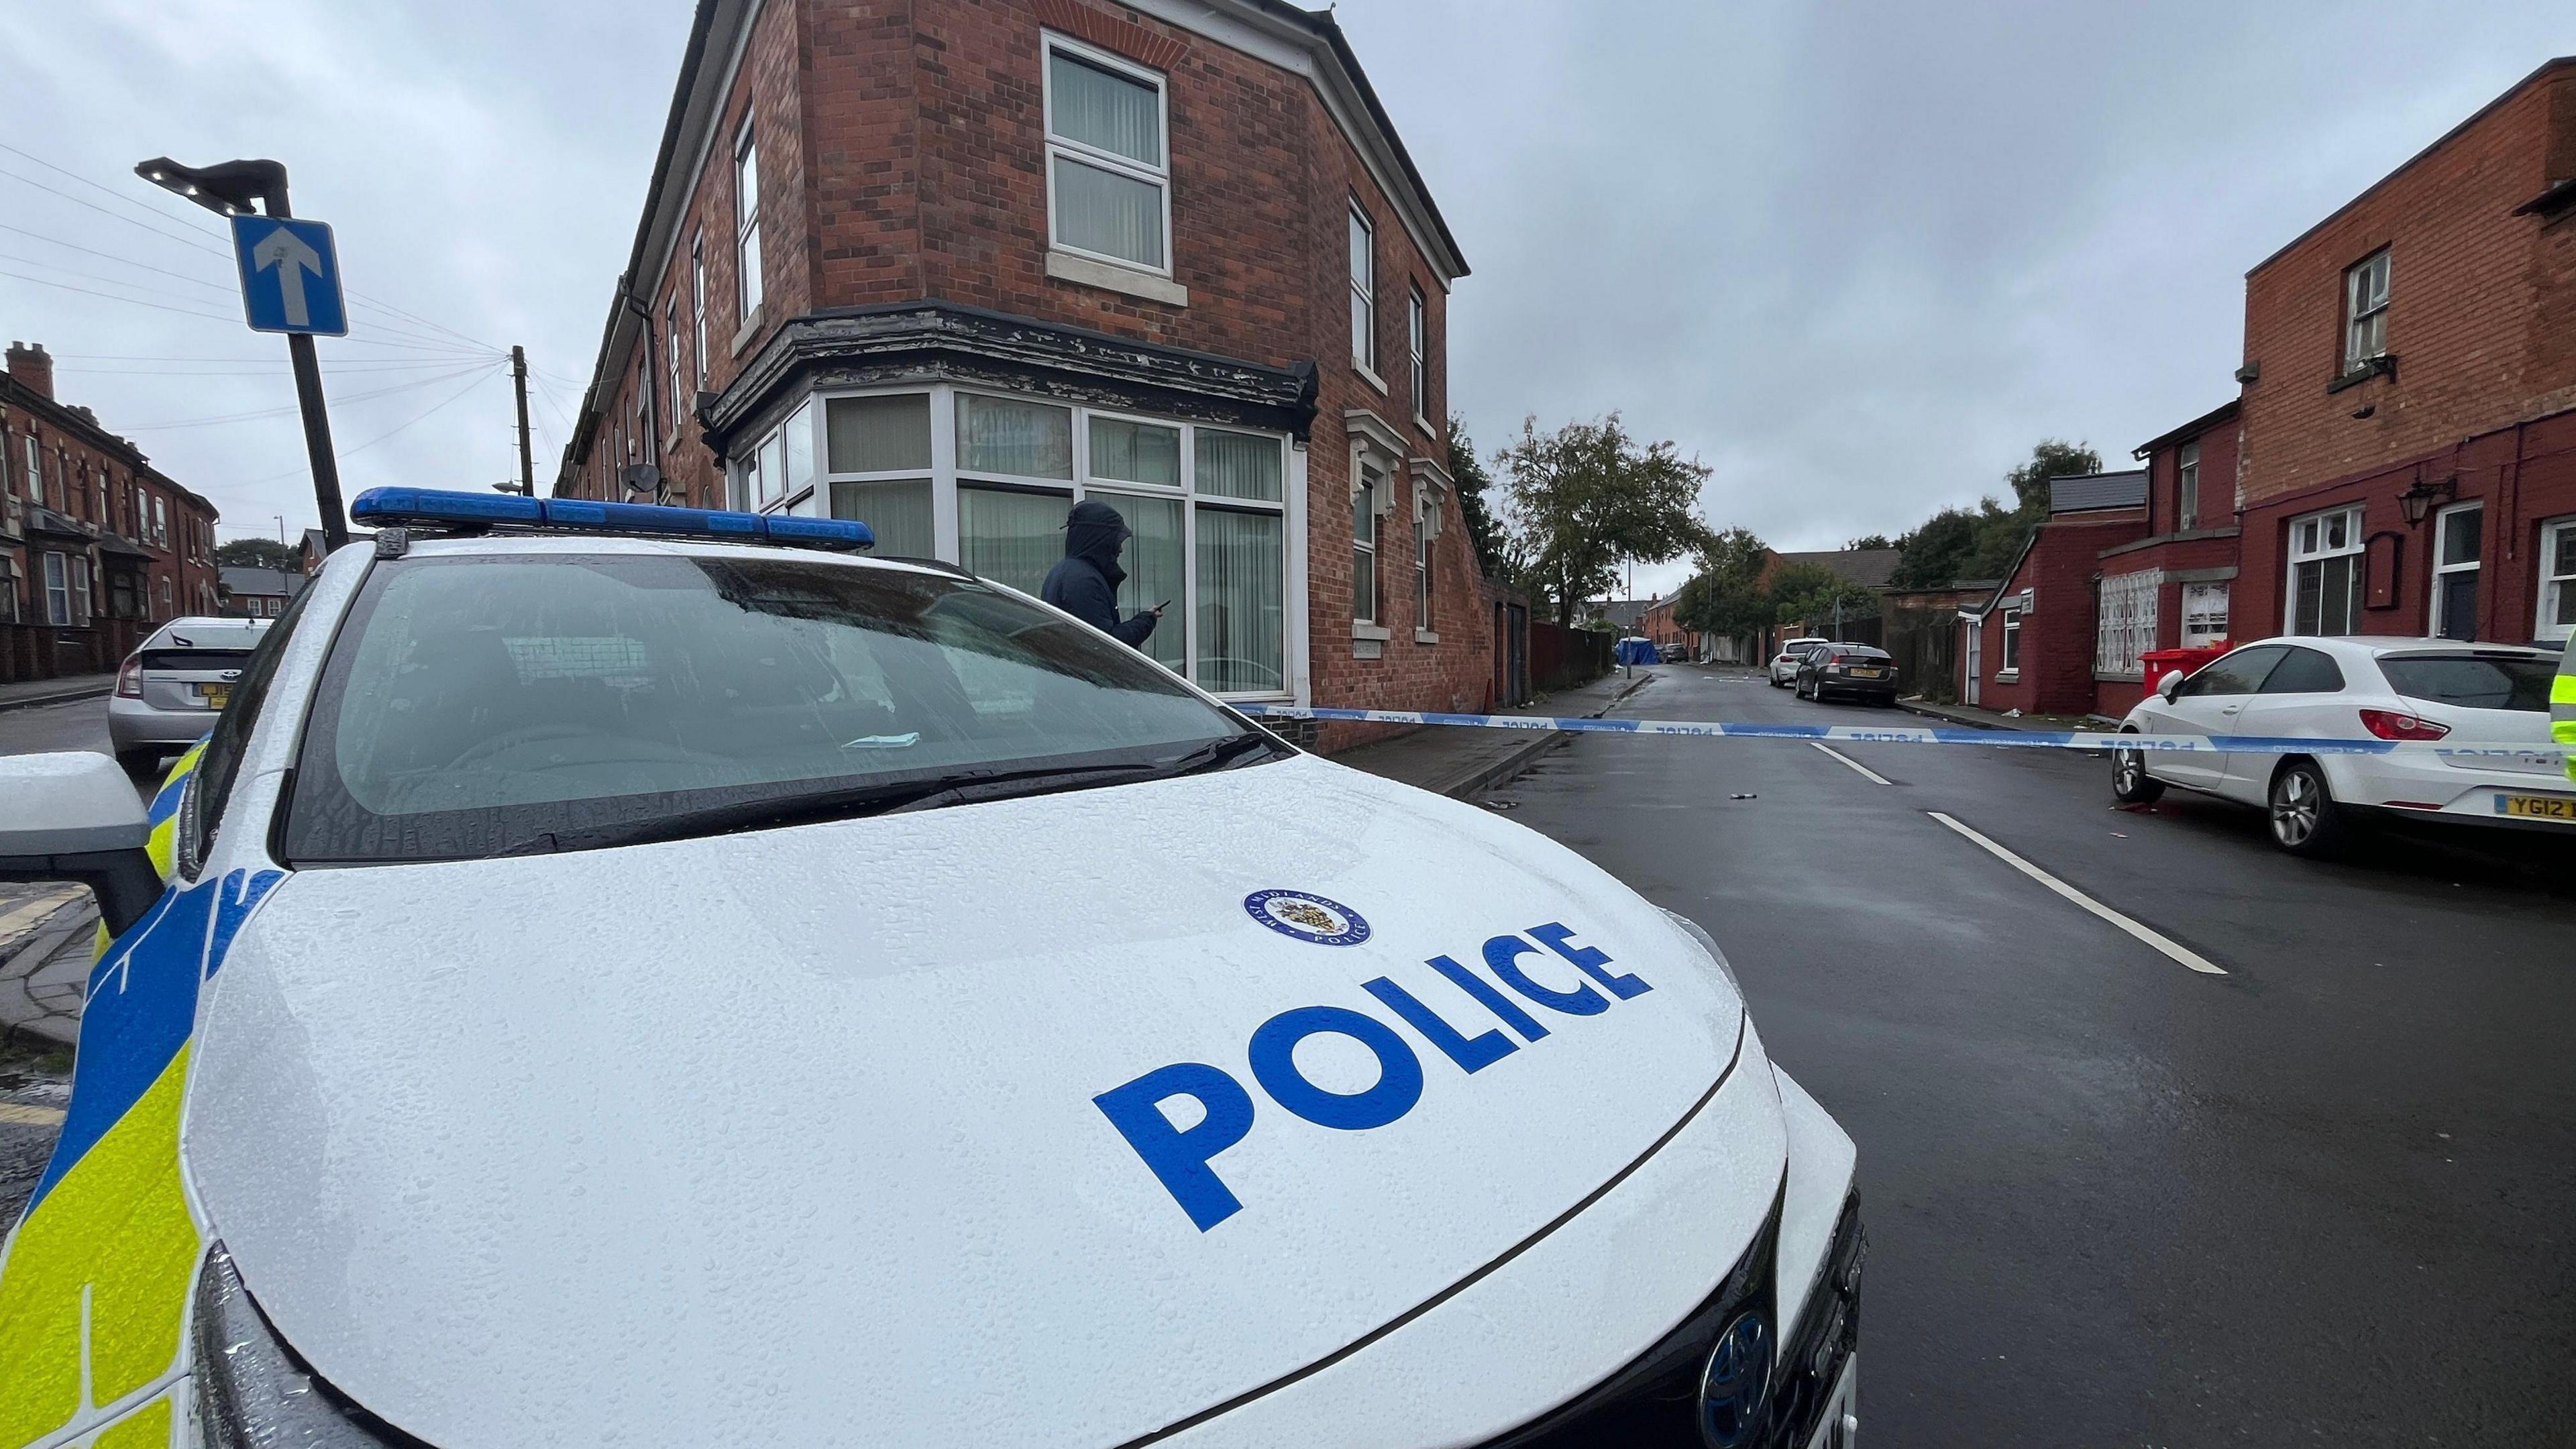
(2418, 501)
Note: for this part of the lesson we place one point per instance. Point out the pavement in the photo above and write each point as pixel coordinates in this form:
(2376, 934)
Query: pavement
(2327, 1197)
(28, 693)
(1453, 760)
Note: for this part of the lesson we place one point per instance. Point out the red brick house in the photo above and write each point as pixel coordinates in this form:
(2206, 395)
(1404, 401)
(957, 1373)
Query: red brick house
(2035, 645)
(95, 543)
(2409, 404)
(949, 265)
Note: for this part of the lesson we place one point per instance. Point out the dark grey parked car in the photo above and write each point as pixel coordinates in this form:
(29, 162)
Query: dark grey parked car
(1856, 670)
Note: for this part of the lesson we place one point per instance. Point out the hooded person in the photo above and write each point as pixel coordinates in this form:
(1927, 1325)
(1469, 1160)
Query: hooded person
(1084, 583)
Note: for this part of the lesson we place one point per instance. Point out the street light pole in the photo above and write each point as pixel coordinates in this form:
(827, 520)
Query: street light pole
(519, 381)
(229, 189)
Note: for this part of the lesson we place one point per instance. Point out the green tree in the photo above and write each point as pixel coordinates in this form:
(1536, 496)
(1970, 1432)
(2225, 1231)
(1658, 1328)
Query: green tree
(1956, 544)
(1587, 498)
(1473, 480)
(258, 553)
(1870, 540)
(1808, 591)
(1726, 597)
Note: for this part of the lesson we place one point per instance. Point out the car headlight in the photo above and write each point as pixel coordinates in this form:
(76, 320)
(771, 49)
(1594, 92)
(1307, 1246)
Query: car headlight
(1708, 943)
(254, 1392)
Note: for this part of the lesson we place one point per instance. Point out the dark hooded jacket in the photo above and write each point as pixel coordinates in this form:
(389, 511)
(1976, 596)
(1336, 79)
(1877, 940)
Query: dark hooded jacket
(1085, 582)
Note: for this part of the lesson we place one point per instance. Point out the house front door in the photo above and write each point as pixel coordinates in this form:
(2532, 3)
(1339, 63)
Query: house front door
(1976, 655)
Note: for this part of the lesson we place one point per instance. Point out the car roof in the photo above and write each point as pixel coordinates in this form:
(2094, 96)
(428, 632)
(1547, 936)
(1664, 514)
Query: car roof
(538, 543)
(2384, 646)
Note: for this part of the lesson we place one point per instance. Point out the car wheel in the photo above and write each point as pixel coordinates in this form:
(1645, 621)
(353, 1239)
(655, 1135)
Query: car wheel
(140, 764)
(2130, 782)
(2304, 817)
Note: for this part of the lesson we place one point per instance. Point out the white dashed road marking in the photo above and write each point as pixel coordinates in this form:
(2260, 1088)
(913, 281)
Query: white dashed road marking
(2164, 943)
(1873, 776)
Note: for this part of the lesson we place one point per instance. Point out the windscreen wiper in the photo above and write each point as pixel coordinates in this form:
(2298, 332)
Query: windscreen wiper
(1218, 754)
(777, 812)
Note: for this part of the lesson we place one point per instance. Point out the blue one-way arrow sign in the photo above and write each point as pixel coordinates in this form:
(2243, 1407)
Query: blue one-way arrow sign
(290, 276)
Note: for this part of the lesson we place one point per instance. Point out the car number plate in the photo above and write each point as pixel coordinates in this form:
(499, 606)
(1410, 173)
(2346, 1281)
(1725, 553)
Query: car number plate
(215, 694)
(2537, 807)
(1868, 673)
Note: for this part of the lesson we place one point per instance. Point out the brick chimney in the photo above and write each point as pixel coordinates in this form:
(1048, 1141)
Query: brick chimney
(32, 366)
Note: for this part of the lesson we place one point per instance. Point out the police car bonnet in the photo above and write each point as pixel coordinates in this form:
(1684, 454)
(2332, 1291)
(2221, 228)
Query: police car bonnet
(1053, 1120)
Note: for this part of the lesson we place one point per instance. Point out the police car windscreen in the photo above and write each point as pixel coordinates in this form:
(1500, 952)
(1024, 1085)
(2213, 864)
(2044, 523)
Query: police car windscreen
(475, 705)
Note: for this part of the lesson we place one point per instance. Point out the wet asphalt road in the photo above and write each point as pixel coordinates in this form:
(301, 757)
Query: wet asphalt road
(2329, 1197)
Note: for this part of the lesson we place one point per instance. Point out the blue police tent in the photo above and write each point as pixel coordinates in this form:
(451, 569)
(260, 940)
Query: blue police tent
(1634, 650)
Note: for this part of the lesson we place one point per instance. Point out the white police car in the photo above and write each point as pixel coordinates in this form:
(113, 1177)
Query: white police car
(623, 981)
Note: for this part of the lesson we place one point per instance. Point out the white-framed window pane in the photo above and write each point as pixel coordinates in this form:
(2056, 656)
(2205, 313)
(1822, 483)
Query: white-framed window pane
(2558, 581)
(2460, 530)
(2204, 614)
(877, 434)
(2125, 622)
(1363, 292)
(1101, 108)
(1417, 334)
(1239, 465)
(1135, 452)
(1108, 212)
(1243, 608)
(797, 454)
(1009, 536)
(2187, 490)
(1021, 439)
(58, 593)
(747, 225)
(1364, 551)
(80, 591)
(1157, 571)
(2012, 641)
(898, 513)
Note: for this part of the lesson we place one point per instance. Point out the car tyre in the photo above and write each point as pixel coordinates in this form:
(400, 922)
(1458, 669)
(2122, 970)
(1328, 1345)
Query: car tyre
(2130, 782)
(2302, 813)
(139, 764)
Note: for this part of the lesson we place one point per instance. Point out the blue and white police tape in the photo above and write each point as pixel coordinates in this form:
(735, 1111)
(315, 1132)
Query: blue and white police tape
(1902, 735)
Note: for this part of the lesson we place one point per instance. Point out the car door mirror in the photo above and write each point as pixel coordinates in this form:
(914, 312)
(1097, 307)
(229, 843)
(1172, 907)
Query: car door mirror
(2170, 685)
(74, 817)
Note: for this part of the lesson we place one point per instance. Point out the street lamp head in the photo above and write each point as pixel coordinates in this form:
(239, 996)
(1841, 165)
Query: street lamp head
(2418, 500)
(227, 188)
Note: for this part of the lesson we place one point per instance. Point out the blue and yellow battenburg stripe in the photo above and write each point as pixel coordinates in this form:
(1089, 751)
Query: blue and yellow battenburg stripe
(94, 1281)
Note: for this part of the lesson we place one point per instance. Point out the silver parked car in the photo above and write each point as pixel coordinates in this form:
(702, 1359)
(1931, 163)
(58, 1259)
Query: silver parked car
(172, 687)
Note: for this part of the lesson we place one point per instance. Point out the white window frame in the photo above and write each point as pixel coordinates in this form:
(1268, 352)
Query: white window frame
(160, 523)
(748, 288)
(2365, 310)
(698, 303)
(2553, 586)
(1159, 177)
(34, 483)
(57, 588)
(1364, 297)
(1371, 483)
(1417, 338)
(671, 345)
(2187, 485)
(2125, 623)
(945, 474)
(2309, 535)
(2008, 657)
(1426, 528)
(2202, 625)
(2433, 620)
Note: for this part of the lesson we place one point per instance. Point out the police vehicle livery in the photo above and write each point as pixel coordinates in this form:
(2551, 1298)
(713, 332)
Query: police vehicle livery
(657, 977)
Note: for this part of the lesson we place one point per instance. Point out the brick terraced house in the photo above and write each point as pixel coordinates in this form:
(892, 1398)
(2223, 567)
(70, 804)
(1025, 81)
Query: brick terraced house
(96, 544)
(948, 266)
(2401, 455)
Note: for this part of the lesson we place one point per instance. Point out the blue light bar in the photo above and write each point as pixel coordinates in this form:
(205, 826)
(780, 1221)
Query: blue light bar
(430, 505)
(393, 507)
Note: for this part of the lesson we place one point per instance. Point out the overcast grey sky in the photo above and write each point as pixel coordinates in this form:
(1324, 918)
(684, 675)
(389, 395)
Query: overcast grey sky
(1856, 258)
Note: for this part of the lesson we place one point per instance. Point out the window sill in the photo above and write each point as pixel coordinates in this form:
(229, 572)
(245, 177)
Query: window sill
(1363, 629)
(1375, 381)
(1425, 636)
(2007, 676)
(743, 334)
(2384, 365)
(1109, 277)
(1428, 430)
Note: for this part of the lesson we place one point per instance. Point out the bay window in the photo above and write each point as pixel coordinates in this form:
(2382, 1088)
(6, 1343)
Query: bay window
(1108, 168)
(986, 479)
(2325, 573)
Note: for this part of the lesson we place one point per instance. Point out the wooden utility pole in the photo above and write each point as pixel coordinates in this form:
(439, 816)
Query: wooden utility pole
(519, 380)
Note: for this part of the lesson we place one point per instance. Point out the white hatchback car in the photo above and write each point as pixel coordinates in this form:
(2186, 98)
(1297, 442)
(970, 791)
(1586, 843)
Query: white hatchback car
(621, 981)
(2495, 696)
(1784, 665)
